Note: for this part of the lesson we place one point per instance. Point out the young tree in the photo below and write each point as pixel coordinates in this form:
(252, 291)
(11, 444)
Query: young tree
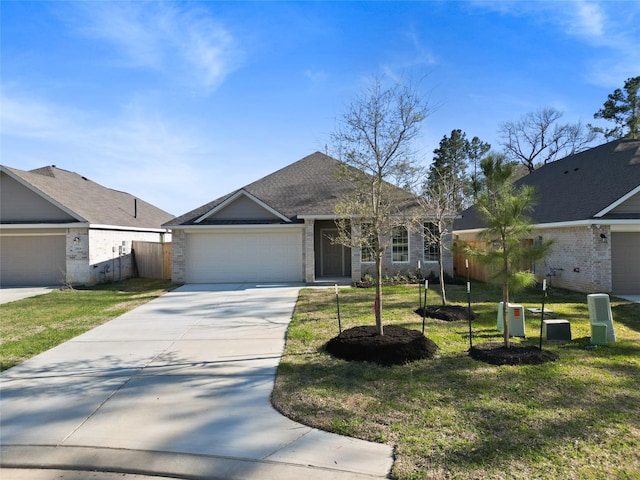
(622, 108)
(376, 136)
(439, 202)
(538, 138)
(504, 207)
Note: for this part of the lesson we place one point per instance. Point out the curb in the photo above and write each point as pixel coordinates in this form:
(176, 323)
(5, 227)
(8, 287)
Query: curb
(160, 464)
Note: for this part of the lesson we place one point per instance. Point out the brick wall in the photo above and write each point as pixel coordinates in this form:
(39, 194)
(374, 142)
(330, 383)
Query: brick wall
(97, 256)
(178, 263)
(580, 259)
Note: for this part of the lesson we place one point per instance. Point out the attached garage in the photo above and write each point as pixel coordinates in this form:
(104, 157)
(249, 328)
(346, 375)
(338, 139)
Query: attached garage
(625, 263)
(30, 260)
(265, 254)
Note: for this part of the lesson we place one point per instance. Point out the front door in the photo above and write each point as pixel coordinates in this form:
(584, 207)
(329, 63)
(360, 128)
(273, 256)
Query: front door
(335, 258)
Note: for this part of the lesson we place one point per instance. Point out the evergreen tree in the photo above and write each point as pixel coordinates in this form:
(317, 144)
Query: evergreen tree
(622, 108)
(503, 208)
(451, 161)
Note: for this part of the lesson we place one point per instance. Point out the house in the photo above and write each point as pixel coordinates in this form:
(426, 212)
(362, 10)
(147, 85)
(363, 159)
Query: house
(589, 205)
(280, 229)
(60, 228)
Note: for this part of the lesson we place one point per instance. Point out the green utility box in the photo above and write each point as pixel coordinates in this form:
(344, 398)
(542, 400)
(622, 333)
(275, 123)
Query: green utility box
(599, 334)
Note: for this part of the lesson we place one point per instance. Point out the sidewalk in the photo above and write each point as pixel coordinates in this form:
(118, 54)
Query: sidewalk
(179, 387)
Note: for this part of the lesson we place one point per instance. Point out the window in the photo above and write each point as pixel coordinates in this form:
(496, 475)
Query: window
(430, 245)
(368, 254)
(400, 245)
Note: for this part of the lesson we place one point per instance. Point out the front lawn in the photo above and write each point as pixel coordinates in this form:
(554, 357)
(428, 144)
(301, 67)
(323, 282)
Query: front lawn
(455, 417)
(36, 324)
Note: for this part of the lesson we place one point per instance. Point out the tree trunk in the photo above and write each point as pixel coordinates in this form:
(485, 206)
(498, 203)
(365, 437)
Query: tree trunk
(377, 306)
(443, 290)
(505, 314)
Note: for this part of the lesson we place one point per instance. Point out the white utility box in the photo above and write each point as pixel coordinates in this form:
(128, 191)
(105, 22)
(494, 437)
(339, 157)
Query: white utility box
(516, 320)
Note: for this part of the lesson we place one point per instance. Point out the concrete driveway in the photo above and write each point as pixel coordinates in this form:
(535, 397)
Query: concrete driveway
(11, 294)
(178, 387)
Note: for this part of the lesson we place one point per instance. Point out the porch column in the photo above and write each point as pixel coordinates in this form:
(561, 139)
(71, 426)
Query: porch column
(356, 255)
(309, 251)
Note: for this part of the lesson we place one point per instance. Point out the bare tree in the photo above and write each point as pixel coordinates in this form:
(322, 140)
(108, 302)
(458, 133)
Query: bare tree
(375, 137)
(538, 138)
(439, 203)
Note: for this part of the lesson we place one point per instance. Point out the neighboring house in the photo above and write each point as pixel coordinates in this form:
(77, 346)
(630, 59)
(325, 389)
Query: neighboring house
(59, 228)
(589, 205)
(280, 229)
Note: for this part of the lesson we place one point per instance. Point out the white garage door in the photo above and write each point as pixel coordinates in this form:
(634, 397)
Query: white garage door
(625, 263)
(32, 260)
(245, 255)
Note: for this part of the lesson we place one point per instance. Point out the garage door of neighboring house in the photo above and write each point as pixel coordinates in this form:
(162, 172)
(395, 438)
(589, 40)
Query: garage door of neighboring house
(32, 260)
(239, 255)
(625, 263)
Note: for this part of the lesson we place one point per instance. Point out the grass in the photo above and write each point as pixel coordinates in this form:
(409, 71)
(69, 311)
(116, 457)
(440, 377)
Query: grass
(454, 417)
(36, 324)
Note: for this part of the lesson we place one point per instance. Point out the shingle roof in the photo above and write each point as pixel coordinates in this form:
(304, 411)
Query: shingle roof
(90, 201)
(578, 187)
(309, 186)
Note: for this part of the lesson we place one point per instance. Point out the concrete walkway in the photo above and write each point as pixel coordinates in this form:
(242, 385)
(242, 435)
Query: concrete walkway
(177, 388)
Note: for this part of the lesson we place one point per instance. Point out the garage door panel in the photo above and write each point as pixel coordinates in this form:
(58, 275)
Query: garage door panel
(244, 256)
(625, 263)
(32, 260)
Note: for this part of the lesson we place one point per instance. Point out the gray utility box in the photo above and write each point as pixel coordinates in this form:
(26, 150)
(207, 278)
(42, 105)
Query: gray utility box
(558, 329)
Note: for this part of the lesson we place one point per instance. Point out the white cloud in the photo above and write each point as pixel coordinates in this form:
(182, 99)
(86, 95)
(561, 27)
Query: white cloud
(316, 76)
(181, 41)
(143, 153)
(613, 27)
(587, 20)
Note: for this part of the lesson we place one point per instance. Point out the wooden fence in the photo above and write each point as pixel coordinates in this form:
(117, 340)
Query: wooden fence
(477, 271)
(153, 260)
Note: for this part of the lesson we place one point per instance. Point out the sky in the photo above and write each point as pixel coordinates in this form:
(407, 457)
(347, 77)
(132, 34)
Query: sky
(179, 103)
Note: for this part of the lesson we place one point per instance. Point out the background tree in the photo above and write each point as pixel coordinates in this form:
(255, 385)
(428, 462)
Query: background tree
(503, 208)
(450, 163)
(539, 137)
(455, 162)
(622, 108)
(476, 151)
(376, 136)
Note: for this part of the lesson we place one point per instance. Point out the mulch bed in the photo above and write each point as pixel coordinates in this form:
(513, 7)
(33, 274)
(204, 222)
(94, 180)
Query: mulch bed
(397, 346)
(448, 313)
(495, 353)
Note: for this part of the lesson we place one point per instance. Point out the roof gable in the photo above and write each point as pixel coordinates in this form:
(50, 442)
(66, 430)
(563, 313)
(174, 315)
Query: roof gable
(627, 205)
(309, 186)
(21, 203)
(87, 201)
(241, 206)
